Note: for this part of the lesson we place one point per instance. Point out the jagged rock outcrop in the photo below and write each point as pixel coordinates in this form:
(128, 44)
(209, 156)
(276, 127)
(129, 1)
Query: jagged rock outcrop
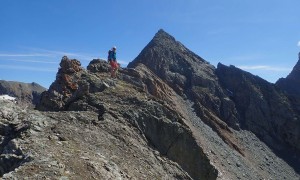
(26, 93)
(291, 84)
(72, 83)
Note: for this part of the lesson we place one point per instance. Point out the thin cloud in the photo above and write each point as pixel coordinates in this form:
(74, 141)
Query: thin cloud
(24, 55)
(221, 31)
(30, 61)
(298, 44)
(51, 54)
(55, 53)
(27, 68)
(245, 57)
(265, 68)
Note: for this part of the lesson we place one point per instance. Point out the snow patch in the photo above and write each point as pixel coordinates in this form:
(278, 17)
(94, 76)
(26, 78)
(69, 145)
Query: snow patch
(7, 97)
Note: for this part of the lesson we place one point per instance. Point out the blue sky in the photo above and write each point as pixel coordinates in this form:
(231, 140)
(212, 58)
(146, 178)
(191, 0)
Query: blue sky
(262, 37)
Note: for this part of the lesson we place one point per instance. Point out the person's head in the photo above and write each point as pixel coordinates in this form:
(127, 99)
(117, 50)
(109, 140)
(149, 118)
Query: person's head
(114, 48)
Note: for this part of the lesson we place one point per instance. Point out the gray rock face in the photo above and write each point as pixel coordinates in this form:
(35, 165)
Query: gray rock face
(26, 93)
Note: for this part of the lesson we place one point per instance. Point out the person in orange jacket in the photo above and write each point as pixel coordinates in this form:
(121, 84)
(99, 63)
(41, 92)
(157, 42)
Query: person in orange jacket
(112, 59)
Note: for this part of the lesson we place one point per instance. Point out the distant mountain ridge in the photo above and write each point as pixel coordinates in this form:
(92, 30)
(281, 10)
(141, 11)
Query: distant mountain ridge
(24, 92)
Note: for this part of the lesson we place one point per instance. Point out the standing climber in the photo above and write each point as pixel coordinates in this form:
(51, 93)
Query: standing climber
(112, 59)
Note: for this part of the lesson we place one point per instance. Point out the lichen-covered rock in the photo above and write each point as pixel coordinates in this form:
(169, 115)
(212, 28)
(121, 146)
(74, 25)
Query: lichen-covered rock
(72, 83)
(68, 66)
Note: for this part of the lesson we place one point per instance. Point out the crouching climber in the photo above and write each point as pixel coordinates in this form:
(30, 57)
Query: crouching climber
(112, 60)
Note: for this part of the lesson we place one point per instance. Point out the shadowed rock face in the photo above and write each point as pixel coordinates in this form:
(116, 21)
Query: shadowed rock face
(26, 93)
(263, 108)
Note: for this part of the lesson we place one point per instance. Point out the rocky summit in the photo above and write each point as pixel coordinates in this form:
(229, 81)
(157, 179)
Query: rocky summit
(169, 115)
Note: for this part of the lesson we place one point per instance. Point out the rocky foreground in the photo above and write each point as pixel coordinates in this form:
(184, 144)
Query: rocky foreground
(170, 115)
(75, 145)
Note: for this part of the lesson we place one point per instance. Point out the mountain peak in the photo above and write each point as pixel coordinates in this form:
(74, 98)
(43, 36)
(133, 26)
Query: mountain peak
(172, 61)
(163, 35)
(161, 31)
(161, 51)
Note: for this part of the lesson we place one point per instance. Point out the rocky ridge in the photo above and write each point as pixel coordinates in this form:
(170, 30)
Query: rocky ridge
(170, 115)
